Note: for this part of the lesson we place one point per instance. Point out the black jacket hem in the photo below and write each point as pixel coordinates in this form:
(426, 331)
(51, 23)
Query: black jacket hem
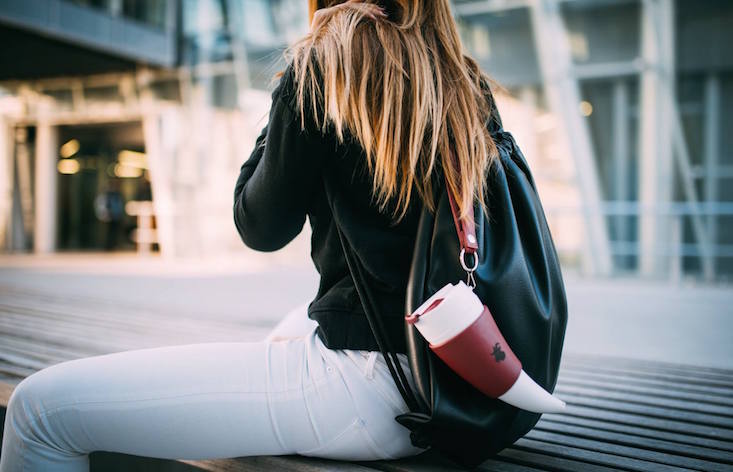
(355, 333)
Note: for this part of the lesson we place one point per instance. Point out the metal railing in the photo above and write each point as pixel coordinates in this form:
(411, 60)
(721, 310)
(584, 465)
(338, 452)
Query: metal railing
(676, 244)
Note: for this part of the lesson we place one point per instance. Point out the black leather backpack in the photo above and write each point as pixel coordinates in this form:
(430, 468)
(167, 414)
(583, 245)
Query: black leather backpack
(517, 276)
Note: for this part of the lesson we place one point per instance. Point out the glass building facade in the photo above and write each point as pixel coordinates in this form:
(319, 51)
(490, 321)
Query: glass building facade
(620, 106)
(659, 66)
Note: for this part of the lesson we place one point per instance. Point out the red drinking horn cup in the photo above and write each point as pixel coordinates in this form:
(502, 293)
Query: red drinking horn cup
(461, 331)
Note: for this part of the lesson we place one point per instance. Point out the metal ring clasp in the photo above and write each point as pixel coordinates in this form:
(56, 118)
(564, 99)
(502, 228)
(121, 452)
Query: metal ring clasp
(462, 259)
(470, 280)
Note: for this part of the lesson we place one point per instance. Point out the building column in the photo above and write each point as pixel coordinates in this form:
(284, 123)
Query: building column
(563, 93)
(711, 152)
(621, 163)
(47, 146)
(160, 129)
(655, 135)
(6, 181)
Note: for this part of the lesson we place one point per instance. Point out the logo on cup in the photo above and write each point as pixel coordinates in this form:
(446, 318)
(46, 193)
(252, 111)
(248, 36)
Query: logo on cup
(498, 354)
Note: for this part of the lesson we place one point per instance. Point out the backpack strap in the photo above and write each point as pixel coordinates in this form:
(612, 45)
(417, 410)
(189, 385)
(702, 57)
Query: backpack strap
(375, 322)
(466, 228)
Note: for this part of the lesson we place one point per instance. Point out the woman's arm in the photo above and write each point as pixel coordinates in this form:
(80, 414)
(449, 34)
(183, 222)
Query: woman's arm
(275, 184)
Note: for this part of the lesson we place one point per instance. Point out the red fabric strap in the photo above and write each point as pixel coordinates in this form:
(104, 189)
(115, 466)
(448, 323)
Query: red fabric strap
(465, 228)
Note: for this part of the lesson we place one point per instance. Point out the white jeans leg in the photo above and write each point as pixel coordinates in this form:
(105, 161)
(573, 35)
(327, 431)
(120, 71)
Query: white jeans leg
(204, 401)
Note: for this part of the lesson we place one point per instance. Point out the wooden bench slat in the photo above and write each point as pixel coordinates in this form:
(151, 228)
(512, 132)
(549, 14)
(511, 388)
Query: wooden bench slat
(614, 379)
(10, 379)
(630, 439)
(15, 371)
(651, 392)
(634, 373)
(21, 361)
(431, 462)
(116, 314)
(714, 394)
(46, 352)
(492, 465)
(119, 339)
(86, 307)
(60, 316)
(60, 309)
(68, 325)
(593, 457)
(91, 343)
(5, 392)
(633, 452)
(551, 462)
(649, 365)
(638, 430)
(584, 411)
(121, 325)
(647, 400)
(694, 420)
(96, 342)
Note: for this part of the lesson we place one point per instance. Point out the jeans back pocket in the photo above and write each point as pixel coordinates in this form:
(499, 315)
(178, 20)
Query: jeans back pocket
(353, 443)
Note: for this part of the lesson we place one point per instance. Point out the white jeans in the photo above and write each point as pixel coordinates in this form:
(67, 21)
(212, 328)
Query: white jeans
(207, 401)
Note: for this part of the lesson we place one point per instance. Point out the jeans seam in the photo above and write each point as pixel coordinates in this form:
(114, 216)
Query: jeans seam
(22, 449)
(356, 422)
(376, 449)
(46, 412)
(387, 398)
(33, 421)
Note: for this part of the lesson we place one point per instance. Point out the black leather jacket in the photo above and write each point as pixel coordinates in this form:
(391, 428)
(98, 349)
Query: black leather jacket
(282, 182)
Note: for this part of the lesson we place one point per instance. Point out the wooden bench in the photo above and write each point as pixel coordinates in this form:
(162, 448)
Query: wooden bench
(622, 414)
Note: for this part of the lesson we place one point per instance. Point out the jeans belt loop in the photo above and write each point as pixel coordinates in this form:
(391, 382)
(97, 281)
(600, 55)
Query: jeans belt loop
(370, 364)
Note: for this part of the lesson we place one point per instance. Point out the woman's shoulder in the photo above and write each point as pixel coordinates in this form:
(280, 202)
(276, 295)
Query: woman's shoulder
(285, 86)
(487, 88)
(286, 91)
(301, 87)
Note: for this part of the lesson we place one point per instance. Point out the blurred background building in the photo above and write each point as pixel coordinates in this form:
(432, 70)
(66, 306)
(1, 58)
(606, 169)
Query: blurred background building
(123, 123)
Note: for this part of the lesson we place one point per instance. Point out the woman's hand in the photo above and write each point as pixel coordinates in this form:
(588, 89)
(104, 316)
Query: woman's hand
(369, 9)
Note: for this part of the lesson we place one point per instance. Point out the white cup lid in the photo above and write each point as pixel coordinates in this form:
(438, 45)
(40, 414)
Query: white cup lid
(458, 308)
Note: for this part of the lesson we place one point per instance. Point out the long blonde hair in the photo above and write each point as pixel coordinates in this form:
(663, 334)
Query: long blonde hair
(393, 74)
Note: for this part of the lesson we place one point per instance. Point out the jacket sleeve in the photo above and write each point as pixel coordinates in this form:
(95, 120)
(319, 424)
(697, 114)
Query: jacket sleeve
(274, 188)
